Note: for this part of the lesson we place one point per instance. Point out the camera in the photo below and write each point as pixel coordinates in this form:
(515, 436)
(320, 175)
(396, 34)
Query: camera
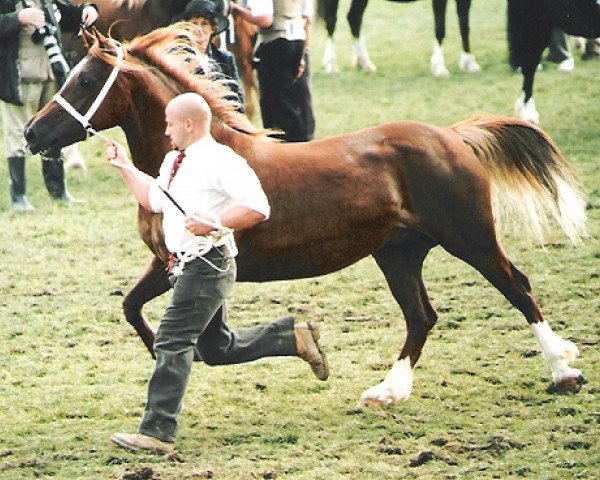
(47, 35)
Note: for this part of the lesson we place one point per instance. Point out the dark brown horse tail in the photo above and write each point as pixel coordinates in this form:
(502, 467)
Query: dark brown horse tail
(529, 175)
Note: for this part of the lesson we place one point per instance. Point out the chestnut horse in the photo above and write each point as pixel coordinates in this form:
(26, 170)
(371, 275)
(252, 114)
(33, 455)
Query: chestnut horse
(393, 191)
(530, 25)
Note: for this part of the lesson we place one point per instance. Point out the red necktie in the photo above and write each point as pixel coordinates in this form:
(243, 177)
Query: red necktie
(175, 167)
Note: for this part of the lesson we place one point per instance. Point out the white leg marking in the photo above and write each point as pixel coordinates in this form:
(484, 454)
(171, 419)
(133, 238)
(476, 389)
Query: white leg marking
(438, 65)
(330, 57)
(361, 58)
(527, 111)
(557, 352)
(394, 389)
(467, 63)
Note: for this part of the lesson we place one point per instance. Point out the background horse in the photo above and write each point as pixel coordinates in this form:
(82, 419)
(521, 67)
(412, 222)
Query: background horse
(530, 25)
(466, 61)
(394, 191)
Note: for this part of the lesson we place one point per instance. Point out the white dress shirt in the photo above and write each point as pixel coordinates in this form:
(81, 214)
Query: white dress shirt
(211, 180)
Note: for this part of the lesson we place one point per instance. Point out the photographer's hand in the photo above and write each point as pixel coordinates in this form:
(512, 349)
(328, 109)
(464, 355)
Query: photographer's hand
(89, 16)
(31, 16)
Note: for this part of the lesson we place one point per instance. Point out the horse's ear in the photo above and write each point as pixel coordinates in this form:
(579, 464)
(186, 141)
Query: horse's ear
(88, 37)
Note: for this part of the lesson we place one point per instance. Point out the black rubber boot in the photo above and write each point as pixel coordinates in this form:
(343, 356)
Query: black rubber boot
(18, 185)
(53, 171)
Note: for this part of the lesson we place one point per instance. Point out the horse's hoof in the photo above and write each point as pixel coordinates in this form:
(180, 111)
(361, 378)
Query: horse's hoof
(371, 402)
(365, 64)
(468, 64)
(439, 70)
(567, 385)
(330, 67)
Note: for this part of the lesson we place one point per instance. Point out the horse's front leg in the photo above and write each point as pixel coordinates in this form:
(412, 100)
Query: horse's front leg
(153, 283)
(360, 57)
(329, 12)
(525, 105)
(402, 267)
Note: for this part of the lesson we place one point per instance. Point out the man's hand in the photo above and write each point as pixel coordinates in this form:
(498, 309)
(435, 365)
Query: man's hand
(116, 155)
(89, 16)
(31, 16)
(198, 227)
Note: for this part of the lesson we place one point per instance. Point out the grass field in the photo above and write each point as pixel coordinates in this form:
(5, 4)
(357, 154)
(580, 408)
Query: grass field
(72, 371)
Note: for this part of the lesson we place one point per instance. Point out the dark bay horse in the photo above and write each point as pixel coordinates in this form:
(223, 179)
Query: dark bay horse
(393, 191)
(530, 25)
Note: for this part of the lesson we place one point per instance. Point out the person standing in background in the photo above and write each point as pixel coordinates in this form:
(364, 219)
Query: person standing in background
(283, 64)
(210, 21)
(32, 62)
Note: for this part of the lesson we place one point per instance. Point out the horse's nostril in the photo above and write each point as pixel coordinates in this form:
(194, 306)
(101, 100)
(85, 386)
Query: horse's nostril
(29, 135)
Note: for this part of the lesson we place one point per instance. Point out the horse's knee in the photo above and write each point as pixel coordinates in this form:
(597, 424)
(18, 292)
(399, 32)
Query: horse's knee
(132, 309)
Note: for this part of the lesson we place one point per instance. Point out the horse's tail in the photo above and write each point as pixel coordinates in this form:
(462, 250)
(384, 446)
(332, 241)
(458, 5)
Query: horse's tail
(529, 175)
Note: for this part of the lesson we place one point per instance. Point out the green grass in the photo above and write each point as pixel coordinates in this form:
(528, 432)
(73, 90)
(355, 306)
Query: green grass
(72, 371)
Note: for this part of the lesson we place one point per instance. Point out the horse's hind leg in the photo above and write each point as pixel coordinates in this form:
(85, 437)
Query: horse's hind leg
(329, 11)
(402, 263)
(437, 62)
(360, 58)
(153, 283)
(515, 286)
(466, 61)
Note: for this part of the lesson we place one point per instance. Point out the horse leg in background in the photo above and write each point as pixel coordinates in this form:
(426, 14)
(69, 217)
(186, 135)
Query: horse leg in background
(525, 105)
(73, 158)
(329, 11)
(152, 284)
(466, 61)
(438, 64)
(402, 264)
(527, 41)
(360, 57)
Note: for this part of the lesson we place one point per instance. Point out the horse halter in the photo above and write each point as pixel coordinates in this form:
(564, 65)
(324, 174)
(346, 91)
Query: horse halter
(85, 119)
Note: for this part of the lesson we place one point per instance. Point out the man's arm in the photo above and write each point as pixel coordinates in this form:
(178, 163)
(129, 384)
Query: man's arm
(137, 181)
(238, 218)
(262, 21)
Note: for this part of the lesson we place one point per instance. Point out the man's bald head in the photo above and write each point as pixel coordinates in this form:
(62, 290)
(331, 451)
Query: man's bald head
(190, 105)
(188, 119)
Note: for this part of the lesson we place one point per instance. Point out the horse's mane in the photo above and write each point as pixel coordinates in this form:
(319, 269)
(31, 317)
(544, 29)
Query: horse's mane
(172, 51)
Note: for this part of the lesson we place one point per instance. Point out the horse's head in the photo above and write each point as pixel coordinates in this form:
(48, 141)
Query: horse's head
(91, 99)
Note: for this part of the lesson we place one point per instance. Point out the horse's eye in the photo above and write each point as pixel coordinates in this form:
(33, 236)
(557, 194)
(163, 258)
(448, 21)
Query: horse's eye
(85, 81)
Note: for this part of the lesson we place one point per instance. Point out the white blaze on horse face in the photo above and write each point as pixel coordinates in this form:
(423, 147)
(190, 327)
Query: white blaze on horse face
(396, 387)
(557, 352)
